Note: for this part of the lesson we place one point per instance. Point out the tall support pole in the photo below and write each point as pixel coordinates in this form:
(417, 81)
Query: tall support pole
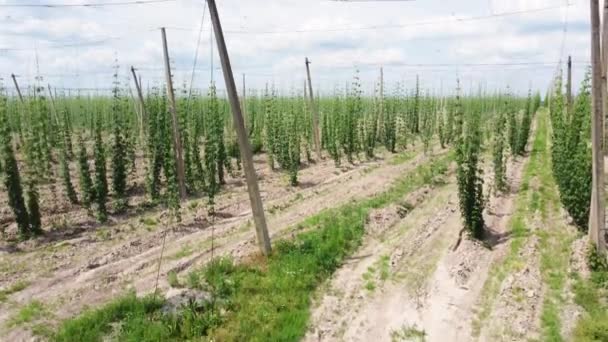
(381, 82)
(315, 115)
(257, 206)
(244, 98)
(569, 86)
(604, 44)
(177, 141)
(140, 96)
(54, 109)
(381, 116)
(597, 217)
(17, 87)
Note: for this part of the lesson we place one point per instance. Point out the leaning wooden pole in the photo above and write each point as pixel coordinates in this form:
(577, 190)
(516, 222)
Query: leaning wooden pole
(140, 96)
(315, 113)
(17, 87)
(257, 206)
(597, 218)
(177, 140)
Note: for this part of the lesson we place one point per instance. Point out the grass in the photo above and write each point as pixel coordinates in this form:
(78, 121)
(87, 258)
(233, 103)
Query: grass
(94, 324)
(526, 205)
(33, 311)
(408, 333)
(103, 234)
(592, 296)
(262, 300)
(380, 270)
(554, 246)
(402, 158)
(16, 287)
(173, 280)
(185, 251)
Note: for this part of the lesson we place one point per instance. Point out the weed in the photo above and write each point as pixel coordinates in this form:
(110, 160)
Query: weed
(16, 287)
(370, 285)
(28, 313)
(148, 221)
(94, 324)
(408, 333)
(182, 253)
(103, 234)
(172, 279)
(591, 294)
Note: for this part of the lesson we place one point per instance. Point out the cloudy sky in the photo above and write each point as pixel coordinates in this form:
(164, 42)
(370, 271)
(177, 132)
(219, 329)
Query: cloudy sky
(497, 43)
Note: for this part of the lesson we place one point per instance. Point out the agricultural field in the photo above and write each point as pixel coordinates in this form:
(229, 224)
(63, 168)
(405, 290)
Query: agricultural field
(409, 214)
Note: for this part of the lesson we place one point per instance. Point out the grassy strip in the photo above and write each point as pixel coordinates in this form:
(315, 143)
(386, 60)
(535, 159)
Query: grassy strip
(259, 301)
(592, 295)
(527, 203)
(94, 324)
(16, 287)
(554, 245)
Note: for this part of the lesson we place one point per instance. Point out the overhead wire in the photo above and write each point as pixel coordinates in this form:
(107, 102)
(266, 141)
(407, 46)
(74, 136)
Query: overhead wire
(91, 4)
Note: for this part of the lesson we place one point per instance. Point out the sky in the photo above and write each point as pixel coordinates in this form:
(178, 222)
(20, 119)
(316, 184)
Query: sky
(490, 44)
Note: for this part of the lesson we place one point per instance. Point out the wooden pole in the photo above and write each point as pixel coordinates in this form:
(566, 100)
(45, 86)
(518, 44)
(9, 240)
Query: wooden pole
(381, 82)
(569, 86)
(17, 87)
(257, 206)
(597, 217)
(140, 96)
(177, 141)
(244, 98)
(54, 109)
(315, 115)
(604, 45)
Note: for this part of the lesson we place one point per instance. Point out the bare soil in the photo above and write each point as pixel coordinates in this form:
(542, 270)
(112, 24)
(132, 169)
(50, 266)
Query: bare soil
(434, 277)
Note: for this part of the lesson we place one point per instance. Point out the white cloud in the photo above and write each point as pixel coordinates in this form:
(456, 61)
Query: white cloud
(131, 34)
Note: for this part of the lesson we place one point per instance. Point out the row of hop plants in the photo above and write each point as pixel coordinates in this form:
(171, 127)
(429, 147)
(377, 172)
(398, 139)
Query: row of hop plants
(511, 131)
(110, 142)
(571, 149)
(503, 123)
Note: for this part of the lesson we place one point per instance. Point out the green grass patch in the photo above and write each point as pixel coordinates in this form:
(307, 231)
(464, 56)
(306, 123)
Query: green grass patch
(384, 267)
(554, 246)
(592, 295)
(31, 312)
(262, 300)
(185, 251)
(408, 333)
(16, 287)
(93, 325)
(402, 158)
(148, 221)
(173, 280)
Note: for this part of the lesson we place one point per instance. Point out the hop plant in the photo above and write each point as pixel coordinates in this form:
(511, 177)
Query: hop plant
(101, 182)
(470, 182)
(500, 178)
(86, 183)
(12, 178)
(571, 153)
(119, 149)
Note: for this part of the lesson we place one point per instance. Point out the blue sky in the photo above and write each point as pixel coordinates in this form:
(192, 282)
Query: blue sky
(268, 40)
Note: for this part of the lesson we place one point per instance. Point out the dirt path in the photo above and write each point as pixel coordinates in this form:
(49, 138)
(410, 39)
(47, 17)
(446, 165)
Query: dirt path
(414, 282)
(410, 282)
(88, 271)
